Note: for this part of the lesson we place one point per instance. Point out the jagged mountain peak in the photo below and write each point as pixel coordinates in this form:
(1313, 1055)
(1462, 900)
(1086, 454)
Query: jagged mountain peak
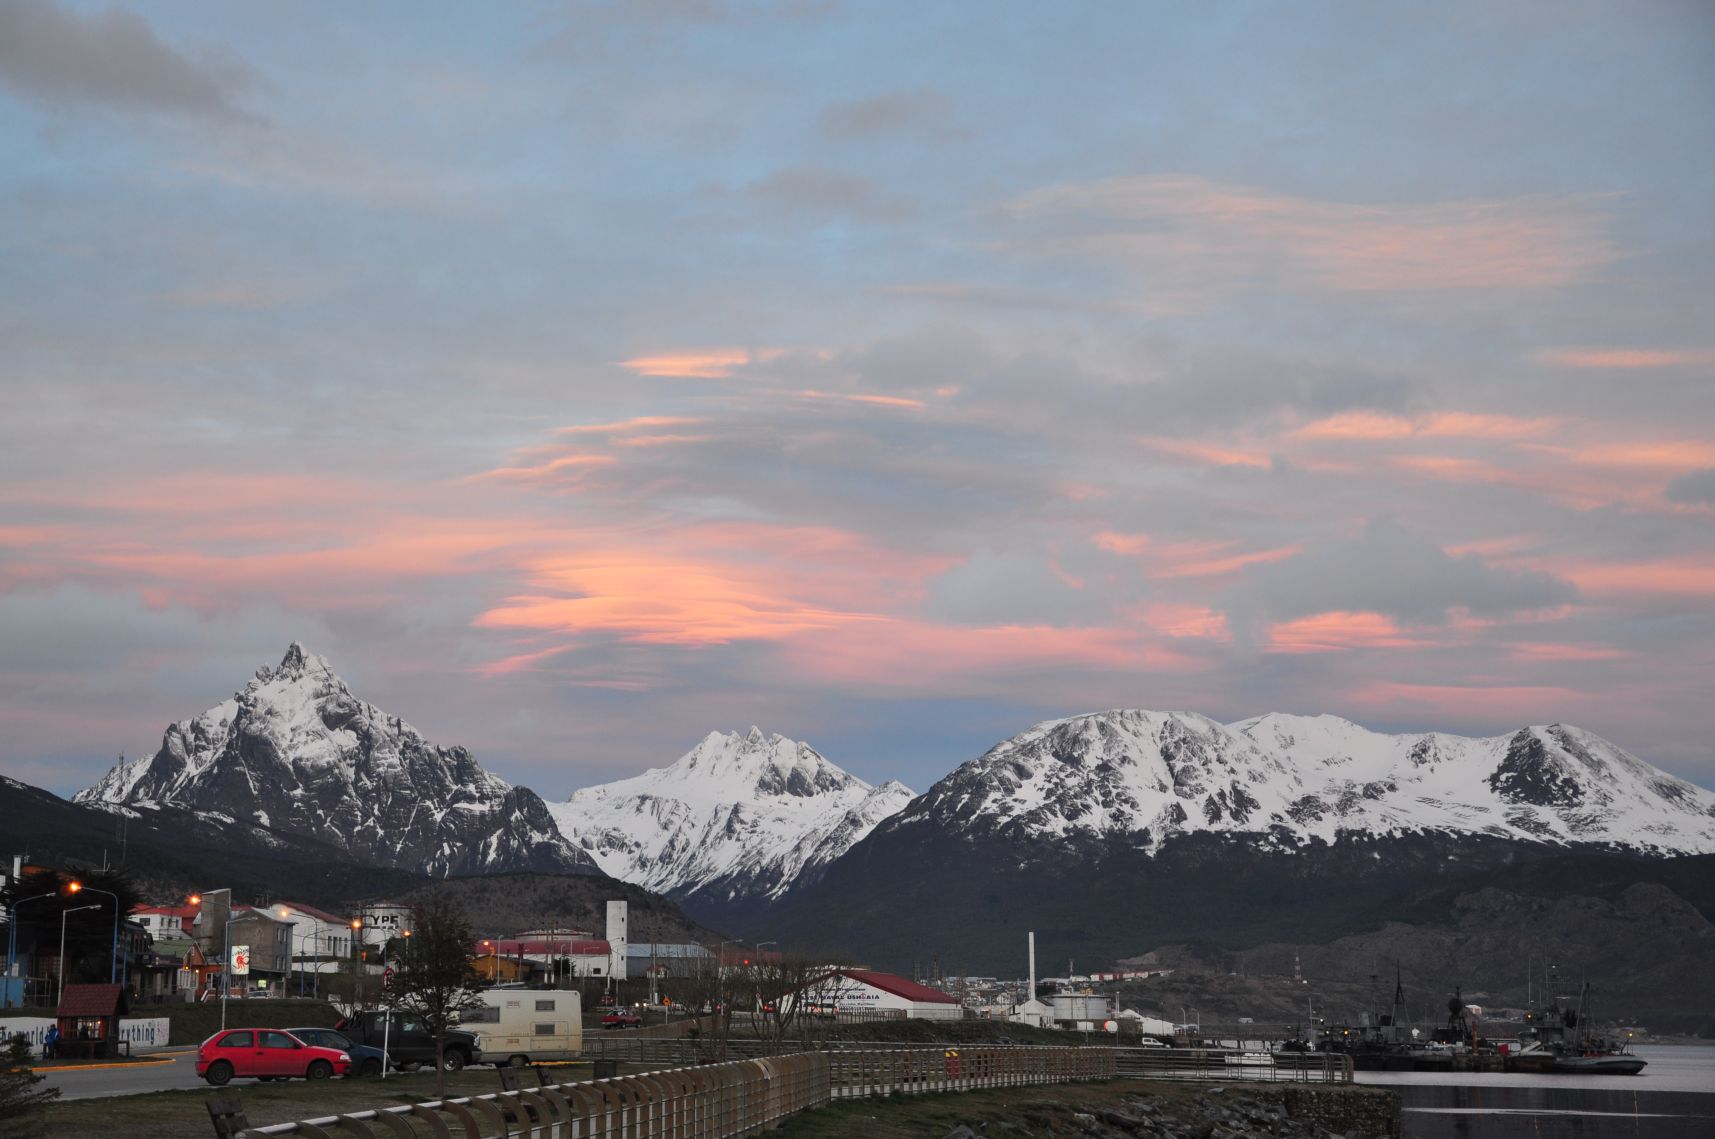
(741, 814)
(730, 766)
(296, 751)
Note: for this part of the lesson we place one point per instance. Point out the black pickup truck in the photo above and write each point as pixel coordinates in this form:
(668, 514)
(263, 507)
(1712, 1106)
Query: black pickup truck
(409, 1044)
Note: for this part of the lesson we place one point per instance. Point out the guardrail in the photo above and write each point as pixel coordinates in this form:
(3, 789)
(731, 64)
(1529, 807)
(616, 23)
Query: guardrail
(711, 1102)
(1231, 1064)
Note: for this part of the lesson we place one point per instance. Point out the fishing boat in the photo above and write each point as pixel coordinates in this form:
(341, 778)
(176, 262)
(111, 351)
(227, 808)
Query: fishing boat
(1561, 1040)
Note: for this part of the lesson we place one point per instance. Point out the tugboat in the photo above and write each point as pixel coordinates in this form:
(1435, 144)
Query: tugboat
(1561, 1040)
(1385, 1046)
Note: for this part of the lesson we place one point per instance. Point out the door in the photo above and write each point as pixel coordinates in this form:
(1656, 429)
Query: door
(278, 1055)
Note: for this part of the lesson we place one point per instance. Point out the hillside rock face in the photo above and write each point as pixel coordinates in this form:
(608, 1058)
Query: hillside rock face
(1147, 776)
(297, 753)
(740, 817)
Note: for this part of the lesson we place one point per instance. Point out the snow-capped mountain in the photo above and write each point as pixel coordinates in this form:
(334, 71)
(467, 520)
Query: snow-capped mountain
(297, 753)
(739, 816)
(1152, 775)
(1115, 833)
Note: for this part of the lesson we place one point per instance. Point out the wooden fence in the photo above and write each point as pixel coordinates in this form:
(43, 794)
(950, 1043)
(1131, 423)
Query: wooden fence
(709, 1102)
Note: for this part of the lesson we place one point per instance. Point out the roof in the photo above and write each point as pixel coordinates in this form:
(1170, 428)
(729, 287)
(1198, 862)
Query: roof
(313, 912)
(166, 911)
(92, 1000)
(664, 949)
(898, 986)
(537, 946)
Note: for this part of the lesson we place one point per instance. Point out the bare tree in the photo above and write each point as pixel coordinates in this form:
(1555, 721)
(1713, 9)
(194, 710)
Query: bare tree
(782, 996)
(435, 980)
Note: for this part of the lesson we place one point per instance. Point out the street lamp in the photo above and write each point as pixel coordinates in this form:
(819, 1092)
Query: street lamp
(63, 915)
(12, 938)
(113, 964)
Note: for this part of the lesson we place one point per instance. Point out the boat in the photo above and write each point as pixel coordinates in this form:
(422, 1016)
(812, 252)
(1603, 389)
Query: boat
(1561, 1040)
(1250, 1059)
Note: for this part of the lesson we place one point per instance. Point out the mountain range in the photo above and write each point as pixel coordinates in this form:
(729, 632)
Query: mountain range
(1109, 832)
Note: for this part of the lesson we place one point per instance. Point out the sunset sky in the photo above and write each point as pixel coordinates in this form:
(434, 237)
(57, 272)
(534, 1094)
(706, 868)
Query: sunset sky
(583, 377)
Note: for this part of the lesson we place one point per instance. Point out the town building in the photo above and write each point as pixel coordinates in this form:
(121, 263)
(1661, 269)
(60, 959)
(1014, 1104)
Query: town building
(320, 940)
(848, 991)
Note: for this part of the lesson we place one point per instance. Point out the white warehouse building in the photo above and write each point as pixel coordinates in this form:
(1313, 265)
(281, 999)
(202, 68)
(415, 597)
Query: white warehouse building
(860, 990)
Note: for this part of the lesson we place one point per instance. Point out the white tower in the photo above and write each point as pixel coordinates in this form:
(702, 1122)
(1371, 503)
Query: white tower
(616, 940)
(1030, 994)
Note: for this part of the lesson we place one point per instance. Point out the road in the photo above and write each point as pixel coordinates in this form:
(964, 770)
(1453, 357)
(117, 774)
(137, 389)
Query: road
(128, 1079)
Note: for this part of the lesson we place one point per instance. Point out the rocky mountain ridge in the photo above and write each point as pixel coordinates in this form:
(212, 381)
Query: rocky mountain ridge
(1143, 777)
(297, 753)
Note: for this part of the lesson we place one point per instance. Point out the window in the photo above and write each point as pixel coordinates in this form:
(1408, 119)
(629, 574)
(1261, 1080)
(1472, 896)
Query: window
(238, 1040)
(276, 1040)
(544, 1006)
(544, 1030)
(480, 1016)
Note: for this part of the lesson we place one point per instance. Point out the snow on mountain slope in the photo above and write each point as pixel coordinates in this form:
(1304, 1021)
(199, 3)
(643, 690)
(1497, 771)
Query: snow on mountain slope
(295, 751)
(738, 816)
(1150, 775)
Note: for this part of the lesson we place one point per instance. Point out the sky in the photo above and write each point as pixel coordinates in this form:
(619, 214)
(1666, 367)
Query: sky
(580, 378)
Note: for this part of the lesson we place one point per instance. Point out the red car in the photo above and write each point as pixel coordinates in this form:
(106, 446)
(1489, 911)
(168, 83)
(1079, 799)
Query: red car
(266, 1054)
(621, 1020)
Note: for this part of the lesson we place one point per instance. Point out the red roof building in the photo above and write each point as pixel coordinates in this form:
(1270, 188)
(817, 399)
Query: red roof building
(847, 991)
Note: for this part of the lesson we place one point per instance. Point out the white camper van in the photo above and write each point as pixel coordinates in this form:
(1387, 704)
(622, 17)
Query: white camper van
(527, 1026)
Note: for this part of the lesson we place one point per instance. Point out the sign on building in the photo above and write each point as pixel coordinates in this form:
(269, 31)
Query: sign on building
(240, 960)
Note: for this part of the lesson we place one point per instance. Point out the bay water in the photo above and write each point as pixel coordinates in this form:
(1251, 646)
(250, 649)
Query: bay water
(1673, 1098)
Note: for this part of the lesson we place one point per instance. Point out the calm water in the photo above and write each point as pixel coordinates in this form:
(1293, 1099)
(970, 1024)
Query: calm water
(1674, 1098)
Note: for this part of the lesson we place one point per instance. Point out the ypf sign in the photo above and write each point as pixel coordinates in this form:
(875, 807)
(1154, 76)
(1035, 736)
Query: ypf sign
(240, 960)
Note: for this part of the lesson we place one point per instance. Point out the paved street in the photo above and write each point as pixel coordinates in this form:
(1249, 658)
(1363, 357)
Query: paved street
(91, 1083)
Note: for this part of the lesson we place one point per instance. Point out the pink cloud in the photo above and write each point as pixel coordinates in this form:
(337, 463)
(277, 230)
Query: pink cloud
(1206, 454)
(875, 400)
(1692, 575)
(1196, 233)
(1339, 631)
(699, 363)
(625, 426)
(1556, 651)
(917, 655)
(1167, 560)
(1623, 359)
(1362, 425)
(1191, 560)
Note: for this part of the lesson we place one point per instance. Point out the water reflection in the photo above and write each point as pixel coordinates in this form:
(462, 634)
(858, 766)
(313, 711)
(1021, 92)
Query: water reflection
(1673, 1099)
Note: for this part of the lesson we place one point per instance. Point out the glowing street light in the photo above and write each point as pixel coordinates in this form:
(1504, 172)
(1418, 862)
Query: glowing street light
(64, 914)
(113, 963)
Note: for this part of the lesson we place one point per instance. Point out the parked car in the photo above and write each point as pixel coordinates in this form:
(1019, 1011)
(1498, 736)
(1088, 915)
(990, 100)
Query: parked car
(409, 1043)
(365, 1061)
(621, 1019)
(266, 1054)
